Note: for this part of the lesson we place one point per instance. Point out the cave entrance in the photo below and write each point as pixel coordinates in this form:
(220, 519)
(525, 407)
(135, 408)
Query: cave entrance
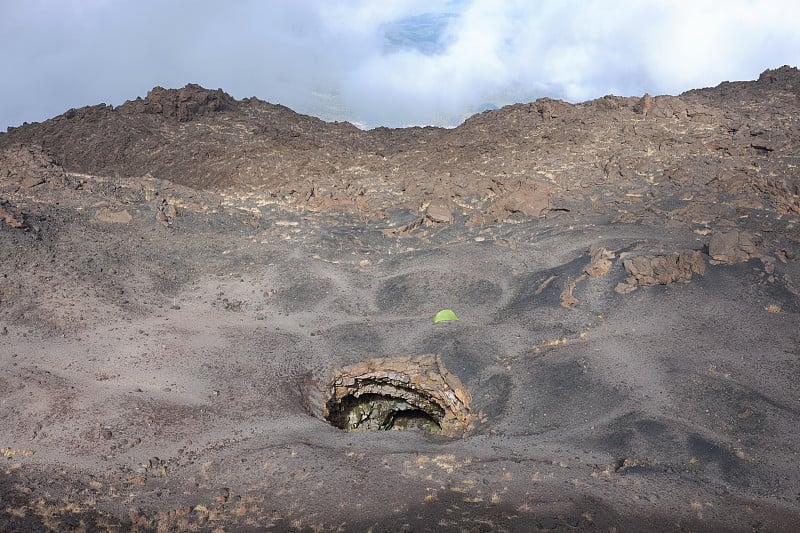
(377, 412)
(393, 393)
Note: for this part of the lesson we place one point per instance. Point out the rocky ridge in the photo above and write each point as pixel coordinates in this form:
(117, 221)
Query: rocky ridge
(734, 145)
(708, 160)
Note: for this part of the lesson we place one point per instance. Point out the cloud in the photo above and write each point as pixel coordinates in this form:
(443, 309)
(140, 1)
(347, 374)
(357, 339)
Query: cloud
(389, 63)
(577, 50)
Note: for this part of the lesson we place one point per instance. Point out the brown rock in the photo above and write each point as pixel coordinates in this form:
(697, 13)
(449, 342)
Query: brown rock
(183, 104)
(439, 213)
(649, 270)
(644, 105)
(732, 246)
(600, 262)
(171, 211)
(568, 299)
(113, 217)
(11, 215)
(405, 229)
(28, 166)
(527, 200)
(32, 181)
(162, 218)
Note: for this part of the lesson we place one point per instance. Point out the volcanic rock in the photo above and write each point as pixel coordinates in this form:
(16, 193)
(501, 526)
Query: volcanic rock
(732, 246)
(183, 104)
(11, 215)
(735, 145)
(188, 242)
(114, 217)
(28, 166)
(439, 213)
(650, 270)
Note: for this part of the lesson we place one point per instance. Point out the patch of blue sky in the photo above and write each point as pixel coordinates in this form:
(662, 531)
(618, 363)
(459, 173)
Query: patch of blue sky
(426, 33)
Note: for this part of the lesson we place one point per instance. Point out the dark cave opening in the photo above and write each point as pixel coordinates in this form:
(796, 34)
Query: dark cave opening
(382, 412)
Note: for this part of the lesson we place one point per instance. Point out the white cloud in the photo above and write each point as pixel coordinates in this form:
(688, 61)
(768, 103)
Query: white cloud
(391, 62)
(577, 50)
(705, 42)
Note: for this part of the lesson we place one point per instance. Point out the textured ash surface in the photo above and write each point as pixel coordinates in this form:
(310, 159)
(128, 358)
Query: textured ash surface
(625, 272)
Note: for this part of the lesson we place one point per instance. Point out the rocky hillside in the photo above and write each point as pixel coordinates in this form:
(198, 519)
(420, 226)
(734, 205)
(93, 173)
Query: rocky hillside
(209, 307)
(675, 157)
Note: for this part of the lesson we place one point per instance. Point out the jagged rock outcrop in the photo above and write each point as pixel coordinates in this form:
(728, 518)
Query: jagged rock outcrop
(648, 270)
(183, 104)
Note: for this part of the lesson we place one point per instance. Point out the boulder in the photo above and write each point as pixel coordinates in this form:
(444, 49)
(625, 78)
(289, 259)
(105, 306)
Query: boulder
(732, 246)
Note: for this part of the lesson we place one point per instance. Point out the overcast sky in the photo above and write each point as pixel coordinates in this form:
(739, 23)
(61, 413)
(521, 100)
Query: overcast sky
(382, 62)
